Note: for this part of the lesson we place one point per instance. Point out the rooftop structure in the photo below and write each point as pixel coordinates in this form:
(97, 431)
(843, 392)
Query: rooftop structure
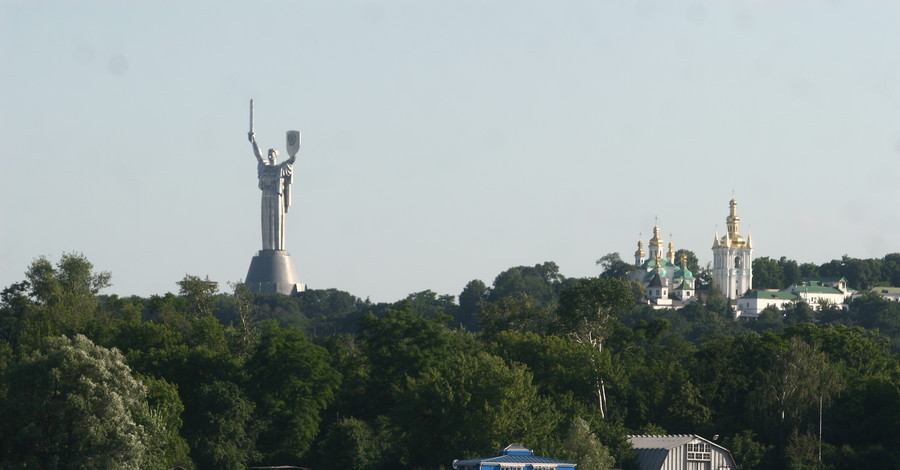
(514, 456)
(680, 452)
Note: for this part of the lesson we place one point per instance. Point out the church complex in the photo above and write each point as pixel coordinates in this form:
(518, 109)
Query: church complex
(670, 284)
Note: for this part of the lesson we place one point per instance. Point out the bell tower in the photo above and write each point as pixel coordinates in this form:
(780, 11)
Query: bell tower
(732, 258)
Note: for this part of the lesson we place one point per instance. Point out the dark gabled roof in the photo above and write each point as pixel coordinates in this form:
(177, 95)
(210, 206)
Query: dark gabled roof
(655, 281)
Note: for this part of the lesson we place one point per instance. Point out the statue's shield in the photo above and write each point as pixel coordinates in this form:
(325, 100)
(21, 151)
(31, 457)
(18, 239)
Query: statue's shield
(293, 142)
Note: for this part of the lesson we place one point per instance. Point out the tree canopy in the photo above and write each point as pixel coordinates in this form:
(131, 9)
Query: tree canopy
(202, 378)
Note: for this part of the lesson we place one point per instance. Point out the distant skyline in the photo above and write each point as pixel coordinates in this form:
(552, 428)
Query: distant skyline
(443, 141)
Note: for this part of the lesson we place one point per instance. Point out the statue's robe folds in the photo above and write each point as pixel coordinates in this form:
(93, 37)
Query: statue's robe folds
(275, 183)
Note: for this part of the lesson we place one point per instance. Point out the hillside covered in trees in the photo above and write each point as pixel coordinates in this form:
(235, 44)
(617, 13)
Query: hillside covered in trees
(213, 378)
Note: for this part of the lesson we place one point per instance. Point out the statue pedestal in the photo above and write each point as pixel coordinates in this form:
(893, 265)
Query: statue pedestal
(273, 271)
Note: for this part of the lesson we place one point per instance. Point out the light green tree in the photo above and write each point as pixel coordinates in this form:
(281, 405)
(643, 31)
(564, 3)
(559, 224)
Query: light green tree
(798, 380)
(748, 453)
(60, 299)
(582, 447)
(71, 405)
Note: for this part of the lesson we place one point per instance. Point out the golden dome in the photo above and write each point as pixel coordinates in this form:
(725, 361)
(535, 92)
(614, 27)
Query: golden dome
(656, 241)
(733, 238)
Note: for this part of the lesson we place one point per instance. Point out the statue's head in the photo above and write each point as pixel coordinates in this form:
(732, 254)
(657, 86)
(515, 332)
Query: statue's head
(273, 155)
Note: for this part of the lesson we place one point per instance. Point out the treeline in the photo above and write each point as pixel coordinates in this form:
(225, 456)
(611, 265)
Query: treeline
(861, 274)
(567, 366)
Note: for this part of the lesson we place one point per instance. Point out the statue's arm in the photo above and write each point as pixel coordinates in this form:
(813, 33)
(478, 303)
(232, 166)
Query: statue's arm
(252, 137)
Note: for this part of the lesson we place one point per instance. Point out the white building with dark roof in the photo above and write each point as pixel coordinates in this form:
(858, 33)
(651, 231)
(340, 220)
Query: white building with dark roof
(816, 291)
(680, 452)
(888, 293)
(754, 302)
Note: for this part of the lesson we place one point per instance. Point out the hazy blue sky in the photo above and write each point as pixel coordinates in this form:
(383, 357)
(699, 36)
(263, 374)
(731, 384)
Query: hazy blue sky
(443, 141)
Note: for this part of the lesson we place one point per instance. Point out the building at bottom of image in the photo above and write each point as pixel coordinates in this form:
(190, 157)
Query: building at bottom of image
(513, 456)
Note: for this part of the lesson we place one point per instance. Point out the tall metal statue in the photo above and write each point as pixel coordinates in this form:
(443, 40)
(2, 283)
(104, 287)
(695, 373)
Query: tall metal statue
(272, 270)
(275, 182)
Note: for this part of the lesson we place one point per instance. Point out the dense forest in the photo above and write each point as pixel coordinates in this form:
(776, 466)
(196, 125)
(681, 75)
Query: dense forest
(216, 378)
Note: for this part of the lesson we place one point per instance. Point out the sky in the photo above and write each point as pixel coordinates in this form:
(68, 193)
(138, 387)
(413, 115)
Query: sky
(443, 141)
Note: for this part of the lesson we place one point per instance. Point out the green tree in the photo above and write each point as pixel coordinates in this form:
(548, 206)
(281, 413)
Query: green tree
(747, 452)
(873, 311)
(693, 263)
(540, 282)
(687, 409)
(703, 277)
(199, 293)
(582, 447)
(430, 304)
(614, 268)
(401, 344)
(161, 417)
(291, 382)
(799, 312)
(767, 274)
(438, 410)
(14, 309)
(803, 451)
(471, 299)
(520, 314)
(330, 311)
(220, 428)
(586, 311)
(244, 331)
(350, 444)
(798, 380)
(808, 270)
(861, 274)
(725, 369)
(890, 269)
(72, 404)
(790, 272)
(60, 299)
(558, 364)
